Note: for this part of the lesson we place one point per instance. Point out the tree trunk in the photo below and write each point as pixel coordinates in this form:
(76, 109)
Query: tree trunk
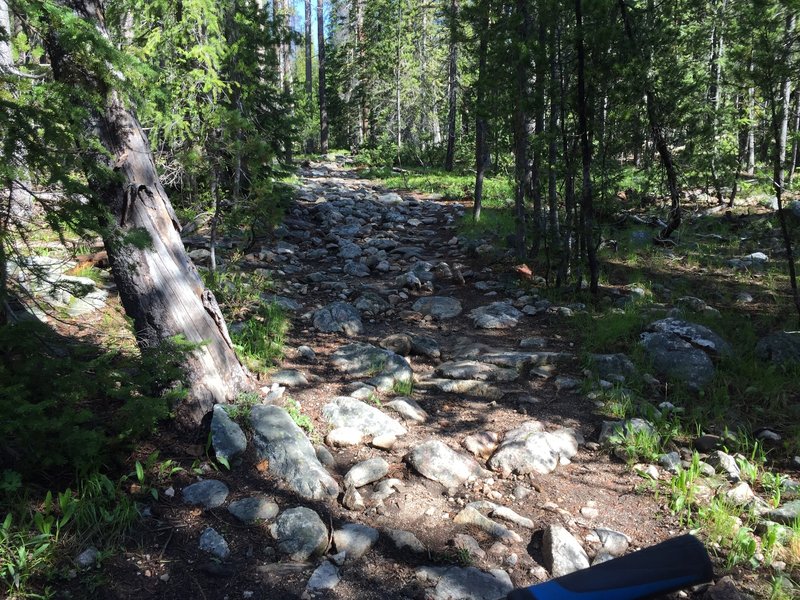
(521, 125)
(780, 124)
(587, 209)
(309, 87)
(751, 127)
(552, 146)
(323, 103)
(397, 76)
(539, 223)
(452, 83)
(157, 283)
(481, 148)
(793, 164)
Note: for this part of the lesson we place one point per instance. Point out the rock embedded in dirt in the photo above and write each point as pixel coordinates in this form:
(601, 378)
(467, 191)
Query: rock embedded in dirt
(256, 508)
(611, 431)
(209, 493)
(325, 577)
(300, 533)
(786, 514)
(365, 472)
(613, 542)
(213, 543)
(481, 444)
(366, 360)
(780, 348)
(291, 456)
(355, 540)
(405, 539)
(408, 409)
(469, 544)
(399, 343)
(530, 449)
(438, 307)
(563, 553)
(469, 387)
(470, 516)
(475, 370)
(349, 412)
(227, 437)
(725, 589)
(339, 317)
(352, 499)
(741, 494)
(726, 463)
(438, 462)
(606, 365)
(289, 378)
(342, 437)
(498, 315)
(466, 583)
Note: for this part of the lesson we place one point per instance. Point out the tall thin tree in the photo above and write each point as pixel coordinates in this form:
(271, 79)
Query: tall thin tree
(323, 102)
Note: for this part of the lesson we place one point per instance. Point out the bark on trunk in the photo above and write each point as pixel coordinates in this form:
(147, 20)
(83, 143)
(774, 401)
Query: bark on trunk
(452, 83)
(481, 149)
(539, 222)
(521, 123)
(587, 209)
(323, 103)
(157, 283)
(309, 83)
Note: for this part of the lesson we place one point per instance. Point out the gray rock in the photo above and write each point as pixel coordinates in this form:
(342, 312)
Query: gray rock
(498, 315)
(470, 516)
(371, 303)
(344, 436)
(786, 514)
(300, 533)
(563, 553)
(339, 317)
(611, 430)
(408, 409)
(352, 499)
(325, 577)
(399, 343)
(87, 558)
(366, 360)
(324, 456)
(227, 437)
(606, 365)
(209, 493)
(356, 269)
(472, 369)
(725, 589)
(439, 307)
(291, 456)
(670, 461)
(781, 348)
(423, 345)
(565, 383)
(349, 412)
(469, 387)
(287, 304)
(367, 471)
(469, 544)
(289, 378)
(677, 358)
(252, 509)
(481, 444)
(533, 343)
(307, 353)
(613, 542)
(355, 540)
(529, 449)
(405, 539)
(436, 461)
(213, 543)
(726, 463)
(741, 494)
(468, 583)
(698, 335)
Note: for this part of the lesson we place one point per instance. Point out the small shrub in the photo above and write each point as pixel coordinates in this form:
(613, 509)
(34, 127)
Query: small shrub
(301, 420)
(259, 343)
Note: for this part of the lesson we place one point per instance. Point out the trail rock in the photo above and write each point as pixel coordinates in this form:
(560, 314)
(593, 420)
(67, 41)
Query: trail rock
(469, 387)
(726, 463)
(613, 542)
(213, 543)
(481, 444)
(786, 514)
(468, 543)
(563, 553)
(325, 577)
(352, 499)
(208, 493)
(344, 436)
(529, 449)
(366, 472)
(781, 348)
(698, 335)
(469, 583)
(300, 533)
(474, 370)
(371, 303)
(405, 539)
(399, 343)
(366, 360)
(289, 378)
(498, 315)
(607, 365)
(339, 317)
(439, 307)
(253, 509)
(436, 461)
(423, 345)
(227, 437)
(740, 494)
(349, 412)
(470, 516)
(291, 456)
(355, 540)
(725, 589)
(408, 409)
(614, 429)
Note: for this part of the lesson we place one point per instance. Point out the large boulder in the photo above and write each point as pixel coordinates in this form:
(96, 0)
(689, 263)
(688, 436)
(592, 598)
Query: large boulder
(530, 449)
(290, 454)
(439, 307)
(438, 462)
(780, 348)
(300, 533)
(344, 411)
(366, 360)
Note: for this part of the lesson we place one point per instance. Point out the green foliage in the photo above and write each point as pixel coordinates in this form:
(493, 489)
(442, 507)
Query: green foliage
(93, 404)
(259, 342)
(240, 409)
(403, 387)
(296, 413)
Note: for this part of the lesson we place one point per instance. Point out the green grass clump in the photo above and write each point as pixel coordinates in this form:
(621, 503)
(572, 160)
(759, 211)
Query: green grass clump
(259, 343)
(302, 420)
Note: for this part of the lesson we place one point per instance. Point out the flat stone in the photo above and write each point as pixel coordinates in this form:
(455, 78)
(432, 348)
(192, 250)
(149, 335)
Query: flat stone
(213, 543)
(344, 436)
(405, 539)
(355, 540)
(498, 315)
(606, 365)
(474, 370)
(562, 552)
(470, 516)
(529, 449)
(439, 307)
(481, 444)
(366, 360)
(325, 577)
(289, 378)
(470, 387)
(408, 409)
(339, 317)
(436, 461)
(253, 509)
(468, 583)
(227, 437)
(349, 412)
(384, 442)
(290, 454)
(468, 543)
(367, 471)
(300, 533)
(209, 493)
(786, 514)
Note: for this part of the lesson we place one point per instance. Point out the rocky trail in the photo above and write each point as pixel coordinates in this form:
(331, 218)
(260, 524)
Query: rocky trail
(455, 451)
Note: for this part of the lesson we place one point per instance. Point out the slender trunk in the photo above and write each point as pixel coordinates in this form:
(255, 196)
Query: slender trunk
(215, 220)
(157, 283)
(481, 148)
(780, 123)
(751, 127)
(277, 22)
(452, 83)
(309, 83)
(552, 145)
(715, 94)
(323, 103)
(659, 137)
(521, 122)
(793, 164)
(397, 72)
(539, 222)
(587, 210)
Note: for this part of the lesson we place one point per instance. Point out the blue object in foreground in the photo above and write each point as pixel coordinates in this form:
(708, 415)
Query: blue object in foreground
(666, 567)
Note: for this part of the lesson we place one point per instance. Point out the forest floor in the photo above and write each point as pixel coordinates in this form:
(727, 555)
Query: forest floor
(592, 490)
